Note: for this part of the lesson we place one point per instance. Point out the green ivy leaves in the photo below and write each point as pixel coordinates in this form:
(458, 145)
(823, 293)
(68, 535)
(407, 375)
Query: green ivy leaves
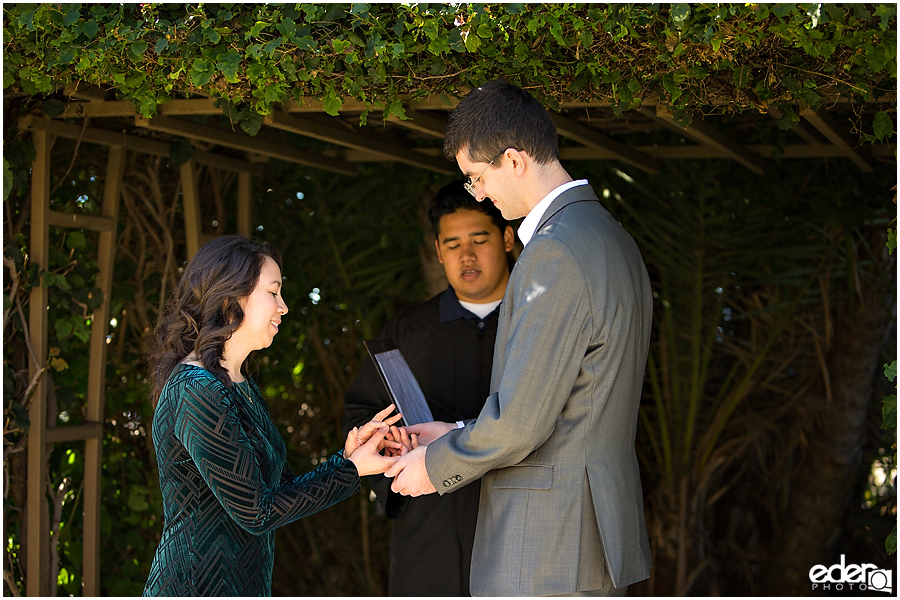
(229, 63)
(331, 102)
(889, 421)
(201, 72)
(262, 54)
(890, 404)
(884, 126)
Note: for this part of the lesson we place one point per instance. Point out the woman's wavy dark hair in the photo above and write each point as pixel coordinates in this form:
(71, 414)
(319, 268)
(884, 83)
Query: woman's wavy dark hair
(204, 309)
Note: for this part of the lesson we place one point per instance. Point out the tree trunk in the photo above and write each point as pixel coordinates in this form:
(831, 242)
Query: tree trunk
(822, 490)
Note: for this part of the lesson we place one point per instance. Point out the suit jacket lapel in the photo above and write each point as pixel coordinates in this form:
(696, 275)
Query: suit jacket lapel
(581, 193)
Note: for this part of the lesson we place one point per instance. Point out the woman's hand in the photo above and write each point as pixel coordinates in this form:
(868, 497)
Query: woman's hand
(377, 428)
(368, 459)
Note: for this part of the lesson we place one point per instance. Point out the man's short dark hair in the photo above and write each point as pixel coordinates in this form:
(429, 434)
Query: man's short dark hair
(496, 116)
(453, 197)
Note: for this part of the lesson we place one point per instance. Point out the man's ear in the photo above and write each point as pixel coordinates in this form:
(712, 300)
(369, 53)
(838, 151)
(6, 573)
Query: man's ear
(509, 238)
(437, 248)
(516, 159)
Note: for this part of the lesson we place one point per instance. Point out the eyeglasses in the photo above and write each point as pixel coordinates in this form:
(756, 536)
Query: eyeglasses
(470, 184)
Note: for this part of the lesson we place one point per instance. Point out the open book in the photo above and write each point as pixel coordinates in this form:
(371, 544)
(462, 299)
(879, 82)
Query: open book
(399, 381)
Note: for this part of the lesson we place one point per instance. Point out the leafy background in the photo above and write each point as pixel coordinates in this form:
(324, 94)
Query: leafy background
(761, 443)
(733, 57)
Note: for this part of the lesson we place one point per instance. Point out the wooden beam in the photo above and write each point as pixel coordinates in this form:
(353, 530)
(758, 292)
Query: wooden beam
(38, 520)
(124, 108)
(338, 135)
(441, 102)
(94, 136)
(215, 135)
(695, 152)
(113, 108)
(98, 107)
(838, 136)
(192, 106)
(702, 132)
(193, 229)
(78, 221)
(316, 105)
(581, 134)
(74, 433)
(691, 152)
(433, 125)
(132, 142)
(206, 106)
(802, 129)
(86, 91)
(352, 105)
(96, 385)
(217, 161)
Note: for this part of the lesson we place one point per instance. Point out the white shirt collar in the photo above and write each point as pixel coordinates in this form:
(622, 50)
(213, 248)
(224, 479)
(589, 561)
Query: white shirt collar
(533, 219)
(482, 310)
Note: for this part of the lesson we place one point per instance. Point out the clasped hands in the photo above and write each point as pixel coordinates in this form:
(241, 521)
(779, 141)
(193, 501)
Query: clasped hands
(398, 452)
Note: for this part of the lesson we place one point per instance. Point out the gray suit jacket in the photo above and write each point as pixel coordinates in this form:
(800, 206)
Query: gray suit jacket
(555, 441)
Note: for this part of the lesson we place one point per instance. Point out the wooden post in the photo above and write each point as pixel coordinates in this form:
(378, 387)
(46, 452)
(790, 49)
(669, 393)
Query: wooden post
(96, 388)
(38, 522)
(36, 529)
(192, 227)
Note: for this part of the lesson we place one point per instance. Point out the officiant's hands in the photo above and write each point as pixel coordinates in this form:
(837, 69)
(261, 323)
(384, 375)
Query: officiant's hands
(428, 432)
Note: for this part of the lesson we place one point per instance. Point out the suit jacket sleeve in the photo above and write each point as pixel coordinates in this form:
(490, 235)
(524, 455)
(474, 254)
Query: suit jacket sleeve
(548, 309)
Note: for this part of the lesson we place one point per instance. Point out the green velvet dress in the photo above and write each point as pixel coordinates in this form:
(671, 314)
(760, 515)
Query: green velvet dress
(226, 487)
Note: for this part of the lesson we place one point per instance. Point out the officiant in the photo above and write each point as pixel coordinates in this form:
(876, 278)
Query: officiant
(448, 342)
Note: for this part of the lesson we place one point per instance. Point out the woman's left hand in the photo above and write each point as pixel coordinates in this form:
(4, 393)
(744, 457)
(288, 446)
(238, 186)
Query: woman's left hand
(380, 425)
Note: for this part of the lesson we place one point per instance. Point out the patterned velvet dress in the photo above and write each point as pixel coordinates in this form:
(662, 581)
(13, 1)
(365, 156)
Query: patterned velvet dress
(226, 487)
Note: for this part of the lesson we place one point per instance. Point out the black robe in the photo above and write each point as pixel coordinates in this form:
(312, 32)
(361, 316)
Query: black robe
(450, 352)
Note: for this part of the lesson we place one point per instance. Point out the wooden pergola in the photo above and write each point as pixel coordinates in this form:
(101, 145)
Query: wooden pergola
(589, 131)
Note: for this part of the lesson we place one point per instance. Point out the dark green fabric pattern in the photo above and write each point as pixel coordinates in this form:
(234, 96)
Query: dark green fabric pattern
(226, 487)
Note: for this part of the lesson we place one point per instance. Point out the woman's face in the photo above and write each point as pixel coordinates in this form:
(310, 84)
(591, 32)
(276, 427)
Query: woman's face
(263, 309)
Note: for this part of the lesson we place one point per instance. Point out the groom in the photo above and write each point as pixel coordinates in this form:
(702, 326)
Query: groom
(561, 509)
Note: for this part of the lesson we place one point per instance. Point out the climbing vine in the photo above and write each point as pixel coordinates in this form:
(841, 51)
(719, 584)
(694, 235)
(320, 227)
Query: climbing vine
(708, 58)
(694, 58)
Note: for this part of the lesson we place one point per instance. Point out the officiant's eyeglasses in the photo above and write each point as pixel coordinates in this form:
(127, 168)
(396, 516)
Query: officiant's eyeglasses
(470, 184)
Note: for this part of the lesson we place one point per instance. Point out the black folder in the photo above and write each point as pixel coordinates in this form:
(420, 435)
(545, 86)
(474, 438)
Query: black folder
(399, 381)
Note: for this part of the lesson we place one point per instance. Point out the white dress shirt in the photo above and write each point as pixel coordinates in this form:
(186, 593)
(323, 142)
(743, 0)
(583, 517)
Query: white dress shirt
(482, 310)
(531, 221)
